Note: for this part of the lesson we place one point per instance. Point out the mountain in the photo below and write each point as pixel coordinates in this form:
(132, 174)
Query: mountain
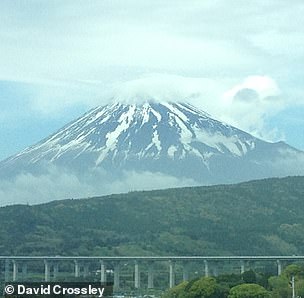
(169, 139)
(263, 217)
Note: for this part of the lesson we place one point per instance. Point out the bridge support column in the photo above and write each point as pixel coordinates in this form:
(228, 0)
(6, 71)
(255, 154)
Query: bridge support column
(117, 276)
(206, 268)
(214, 270)
(24, 271)
(185, 271)
(242, 267)
(103, 274)
(136, 276)
(46, 270)
(85, 270)
(55, 271)
(171, 274)
(77, 268)
(279, 263)
(7, 270)
(15, 270)
(150, 276)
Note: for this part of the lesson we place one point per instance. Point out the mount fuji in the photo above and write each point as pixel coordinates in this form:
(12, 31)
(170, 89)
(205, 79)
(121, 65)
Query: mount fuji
(172, 139)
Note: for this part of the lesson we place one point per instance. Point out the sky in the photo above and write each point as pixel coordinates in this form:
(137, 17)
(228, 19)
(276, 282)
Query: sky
(241, 61)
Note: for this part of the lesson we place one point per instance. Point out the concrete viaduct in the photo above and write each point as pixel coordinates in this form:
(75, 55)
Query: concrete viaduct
(12, 265)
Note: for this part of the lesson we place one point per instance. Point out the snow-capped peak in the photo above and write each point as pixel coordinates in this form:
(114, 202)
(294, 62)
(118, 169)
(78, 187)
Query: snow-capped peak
(170, 138)
(120, 132)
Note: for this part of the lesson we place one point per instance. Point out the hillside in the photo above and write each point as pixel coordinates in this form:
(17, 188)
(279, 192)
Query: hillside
(252, 218)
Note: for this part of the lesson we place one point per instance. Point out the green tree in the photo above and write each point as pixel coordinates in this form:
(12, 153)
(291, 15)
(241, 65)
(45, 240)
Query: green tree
(300, 288)
(177, 291)
(248, 291)
(293, 270)
(249, 277)
(279, 286)
(229, 280)
(205, 287)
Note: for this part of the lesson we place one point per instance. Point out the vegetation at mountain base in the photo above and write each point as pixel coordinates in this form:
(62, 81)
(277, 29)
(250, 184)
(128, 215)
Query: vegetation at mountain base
(248, 291)
(263, 217)
(203, 287)
(229, 286)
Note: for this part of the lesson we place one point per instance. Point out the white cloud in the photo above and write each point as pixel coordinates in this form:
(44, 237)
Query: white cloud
(251, 103)
(58, 184)
(280, 44)
(73, 41)
(148, 181)
(54, 100)
(247, 105)
(293, 162)
(164, 87)
(263, 85)
(74, 53)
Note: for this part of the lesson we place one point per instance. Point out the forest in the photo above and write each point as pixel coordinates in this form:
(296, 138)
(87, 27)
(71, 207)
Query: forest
(250, 284)
(263, 217)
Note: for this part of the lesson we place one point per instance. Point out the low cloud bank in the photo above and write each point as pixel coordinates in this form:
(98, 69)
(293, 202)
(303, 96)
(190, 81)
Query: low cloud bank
(59, 184)
(291, 164)
(54, 183)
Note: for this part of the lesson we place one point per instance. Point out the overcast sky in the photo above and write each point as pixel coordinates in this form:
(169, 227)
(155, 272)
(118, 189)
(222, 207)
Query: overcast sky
(242, 61)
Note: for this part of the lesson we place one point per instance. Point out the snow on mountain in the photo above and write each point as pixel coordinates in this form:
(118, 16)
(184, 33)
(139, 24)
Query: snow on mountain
(176, 139)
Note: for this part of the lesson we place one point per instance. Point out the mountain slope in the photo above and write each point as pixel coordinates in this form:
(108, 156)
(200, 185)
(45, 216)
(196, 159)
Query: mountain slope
(254, 218)
(174, 139)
